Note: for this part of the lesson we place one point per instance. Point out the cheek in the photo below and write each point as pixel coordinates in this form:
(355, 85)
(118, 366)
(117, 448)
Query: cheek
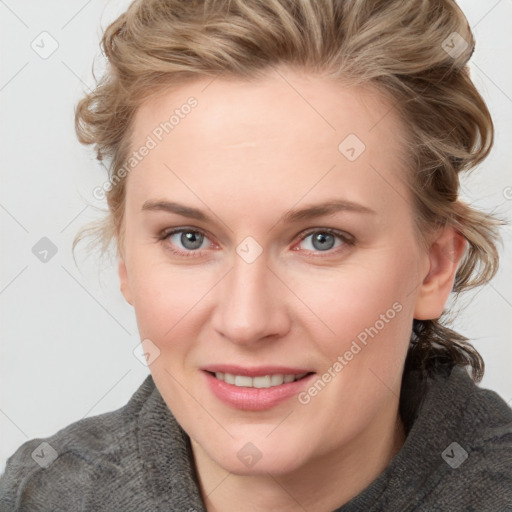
(167, 297)
(336, 306)
(368, 303)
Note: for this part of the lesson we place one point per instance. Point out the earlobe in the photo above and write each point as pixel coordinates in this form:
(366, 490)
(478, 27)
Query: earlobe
(444, 254)
(124, 282)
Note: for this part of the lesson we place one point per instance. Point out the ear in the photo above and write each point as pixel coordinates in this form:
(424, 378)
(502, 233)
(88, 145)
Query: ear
(444, 256)
(124, 282)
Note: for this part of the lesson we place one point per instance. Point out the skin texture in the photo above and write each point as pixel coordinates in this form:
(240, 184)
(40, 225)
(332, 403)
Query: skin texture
(246, 155)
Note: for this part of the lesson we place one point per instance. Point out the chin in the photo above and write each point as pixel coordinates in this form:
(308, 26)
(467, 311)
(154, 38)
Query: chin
(248, 459)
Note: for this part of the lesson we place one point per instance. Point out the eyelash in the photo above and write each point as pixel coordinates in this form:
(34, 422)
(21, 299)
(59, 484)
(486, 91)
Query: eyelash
(345, 238)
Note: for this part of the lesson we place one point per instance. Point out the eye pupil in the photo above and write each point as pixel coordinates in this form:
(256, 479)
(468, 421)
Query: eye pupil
(325, 241)
(191, 239)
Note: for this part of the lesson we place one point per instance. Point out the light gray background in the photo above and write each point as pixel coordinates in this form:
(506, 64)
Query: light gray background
(67, 334)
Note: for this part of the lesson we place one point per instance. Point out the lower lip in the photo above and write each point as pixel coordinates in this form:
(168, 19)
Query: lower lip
(254, 399)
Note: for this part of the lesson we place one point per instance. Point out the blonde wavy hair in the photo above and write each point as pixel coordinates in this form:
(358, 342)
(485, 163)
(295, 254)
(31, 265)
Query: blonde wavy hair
(400, 48)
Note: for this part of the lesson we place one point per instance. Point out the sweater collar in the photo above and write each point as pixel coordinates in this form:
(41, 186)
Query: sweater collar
(167, 456)
(418, 466)
(169, 469)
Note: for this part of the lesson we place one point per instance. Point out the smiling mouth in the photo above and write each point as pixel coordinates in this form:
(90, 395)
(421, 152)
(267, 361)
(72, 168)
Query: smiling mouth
(260, 382)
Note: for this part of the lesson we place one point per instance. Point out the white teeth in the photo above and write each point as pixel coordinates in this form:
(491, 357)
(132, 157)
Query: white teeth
(262, 382)
(276, 380)
(243, 381)
(265, 381)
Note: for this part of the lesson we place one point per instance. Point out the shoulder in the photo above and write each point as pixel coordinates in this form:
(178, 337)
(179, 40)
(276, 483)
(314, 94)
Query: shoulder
(475, 462)
(46, 473)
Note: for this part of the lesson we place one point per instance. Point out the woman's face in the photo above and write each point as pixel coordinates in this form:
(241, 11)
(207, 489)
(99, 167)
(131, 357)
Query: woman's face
(296, 254)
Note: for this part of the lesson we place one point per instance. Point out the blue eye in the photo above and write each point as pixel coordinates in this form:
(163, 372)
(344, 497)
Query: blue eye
(188, 242)
(322, 241)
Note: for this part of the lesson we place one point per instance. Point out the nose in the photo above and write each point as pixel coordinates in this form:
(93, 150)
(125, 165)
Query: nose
(251, 304)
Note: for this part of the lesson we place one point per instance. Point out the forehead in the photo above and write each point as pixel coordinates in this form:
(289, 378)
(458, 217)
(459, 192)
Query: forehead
(283, 133)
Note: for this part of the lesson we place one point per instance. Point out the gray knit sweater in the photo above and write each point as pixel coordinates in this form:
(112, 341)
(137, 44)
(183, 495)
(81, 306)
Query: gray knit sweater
(457, 457)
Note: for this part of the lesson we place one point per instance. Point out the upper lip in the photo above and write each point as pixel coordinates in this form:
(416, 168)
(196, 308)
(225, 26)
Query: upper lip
(255, 371)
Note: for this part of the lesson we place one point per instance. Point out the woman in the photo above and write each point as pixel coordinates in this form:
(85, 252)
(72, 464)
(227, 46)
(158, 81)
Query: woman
(284, 201)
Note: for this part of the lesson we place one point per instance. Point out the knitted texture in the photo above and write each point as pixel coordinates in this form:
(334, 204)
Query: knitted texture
(138, 459)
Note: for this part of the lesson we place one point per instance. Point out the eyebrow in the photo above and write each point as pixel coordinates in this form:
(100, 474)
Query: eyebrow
(306, 213)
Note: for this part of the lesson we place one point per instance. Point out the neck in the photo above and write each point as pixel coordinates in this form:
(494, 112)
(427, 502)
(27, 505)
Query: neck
(323, 484)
